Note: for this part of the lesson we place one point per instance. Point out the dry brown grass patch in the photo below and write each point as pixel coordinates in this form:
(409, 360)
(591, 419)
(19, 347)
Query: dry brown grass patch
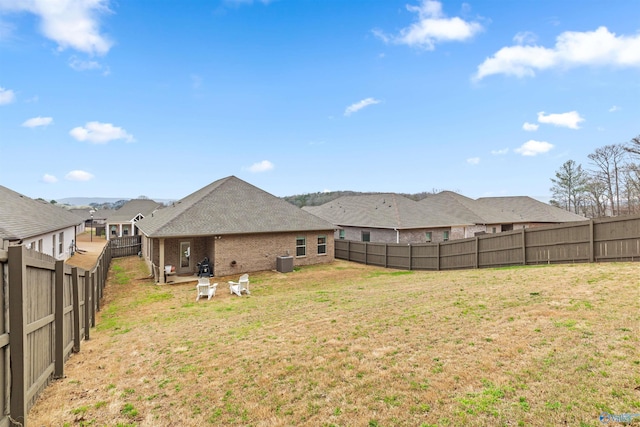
(352, 345)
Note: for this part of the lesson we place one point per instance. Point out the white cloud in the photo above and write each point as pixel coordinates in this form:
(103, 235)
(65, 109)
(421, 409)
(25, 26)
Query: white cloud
(37, 121)
(533, 148)
(431, 27)
(78, 175)
(100, 133)
(525, 37)
(7, 96)
(70, 23)
(500, 152)
(614, 109)
(570, 120)
(473, 160)
(360, 105)
(530, 127)
(84, 65)
(262, 166)
(50, 179)
(572, 49)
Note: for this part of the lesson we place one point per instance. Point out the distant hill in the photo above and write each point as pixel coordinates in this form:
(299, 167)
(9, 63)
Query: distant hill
(317, 199)
(299, 200)
(87, 201)
(101, 202)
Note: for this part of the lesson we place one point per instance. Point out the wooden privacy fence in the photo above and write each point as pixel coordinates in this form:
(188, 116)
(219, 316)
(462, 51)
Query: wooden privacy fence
(48, 309)
(605, 239)
(125, 246)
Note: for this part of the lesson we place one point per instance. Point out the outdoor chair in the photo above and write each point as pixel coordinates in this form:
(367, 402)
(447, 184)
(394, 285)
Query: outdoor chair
(242, 285)
(205, 289)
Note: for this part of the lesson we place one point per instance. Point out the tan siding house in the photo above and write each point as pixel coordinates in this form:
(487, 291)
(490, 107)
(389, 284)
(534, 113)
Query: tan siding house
(36, 224)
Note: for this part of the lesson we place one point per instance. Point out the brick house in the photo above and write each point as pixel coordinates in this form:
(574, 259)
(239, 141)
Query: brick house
(238, 226)
(392, 218)
(496, 214)
(386, 218)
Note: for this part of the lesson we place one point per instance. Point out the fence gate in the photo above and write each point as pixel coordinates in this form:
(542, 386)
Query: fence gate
(125, 246)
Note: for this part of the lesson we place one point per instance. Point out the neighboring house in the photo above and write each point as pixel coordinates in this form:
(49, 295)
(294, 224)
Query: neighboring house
(386, 218)
(122, 221)
(238, 227)
(496, 214)
(391, 218)
(36, 224)
(93, 218)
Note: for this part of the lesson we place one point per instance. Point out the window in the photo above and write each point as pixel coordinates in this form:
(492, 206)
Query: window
(53, 247)
(322, 245)
(40, 245)
(445, 236)
(61, 244)
(493, 230)
(366, 236)
(301, 246)
(341, 234)
(428, 236)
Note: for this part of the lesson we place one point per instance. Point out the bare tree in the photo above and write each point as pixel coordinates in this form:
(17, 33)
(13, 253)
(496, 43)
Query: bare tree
(597, 196)
(609, 161)
(633, 146)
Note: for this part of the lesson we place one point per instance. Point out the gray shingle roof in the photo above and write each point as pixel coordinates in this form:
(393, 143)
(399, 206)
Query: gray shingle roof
(387, 210)
(229, 206)
(444, 209)
(22, 217)
(131, 209)
(526, 209)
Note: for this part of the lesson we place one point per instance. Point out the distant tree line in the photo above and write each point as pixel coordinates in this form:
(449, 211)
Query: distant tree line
(320, 198)
(609, 187)
(108, 205)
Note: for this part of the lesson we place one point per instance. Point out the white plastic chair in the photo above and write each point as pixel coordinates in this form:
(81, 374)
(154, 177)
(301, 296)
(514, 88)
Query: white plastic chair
(205, 289)
(242, 285)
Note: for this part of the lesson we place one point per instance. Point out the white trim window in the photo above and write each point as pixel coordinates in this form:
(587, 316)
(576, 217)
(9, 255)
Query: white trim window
(301, 246)
(322, 245)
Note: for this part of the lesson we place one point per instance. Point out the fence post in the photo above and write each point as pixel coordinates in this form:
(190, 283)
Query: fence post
(58, 352)
(17, 322)
(366, 261)
(75, 296)
(477, 253)
(87, 304)
(524, 246)
(93, 298)
(438, 257)
(410, 257)
(386, 255)
(98, 286)
(591, 242)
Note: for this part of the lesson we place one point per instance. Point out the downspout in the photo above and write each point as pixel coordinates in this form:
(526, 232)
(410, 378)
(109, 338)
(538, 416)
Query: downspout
(397, 235)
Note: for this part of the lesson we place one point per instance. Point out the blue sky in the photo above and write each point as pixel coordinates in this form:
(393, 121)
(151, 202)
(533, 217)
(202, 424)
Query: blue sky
(159, 98)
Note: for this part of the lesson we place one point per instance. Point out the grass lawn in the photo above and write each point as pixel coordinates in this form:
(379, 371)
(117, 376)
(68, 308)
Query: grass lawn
(353, 345)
